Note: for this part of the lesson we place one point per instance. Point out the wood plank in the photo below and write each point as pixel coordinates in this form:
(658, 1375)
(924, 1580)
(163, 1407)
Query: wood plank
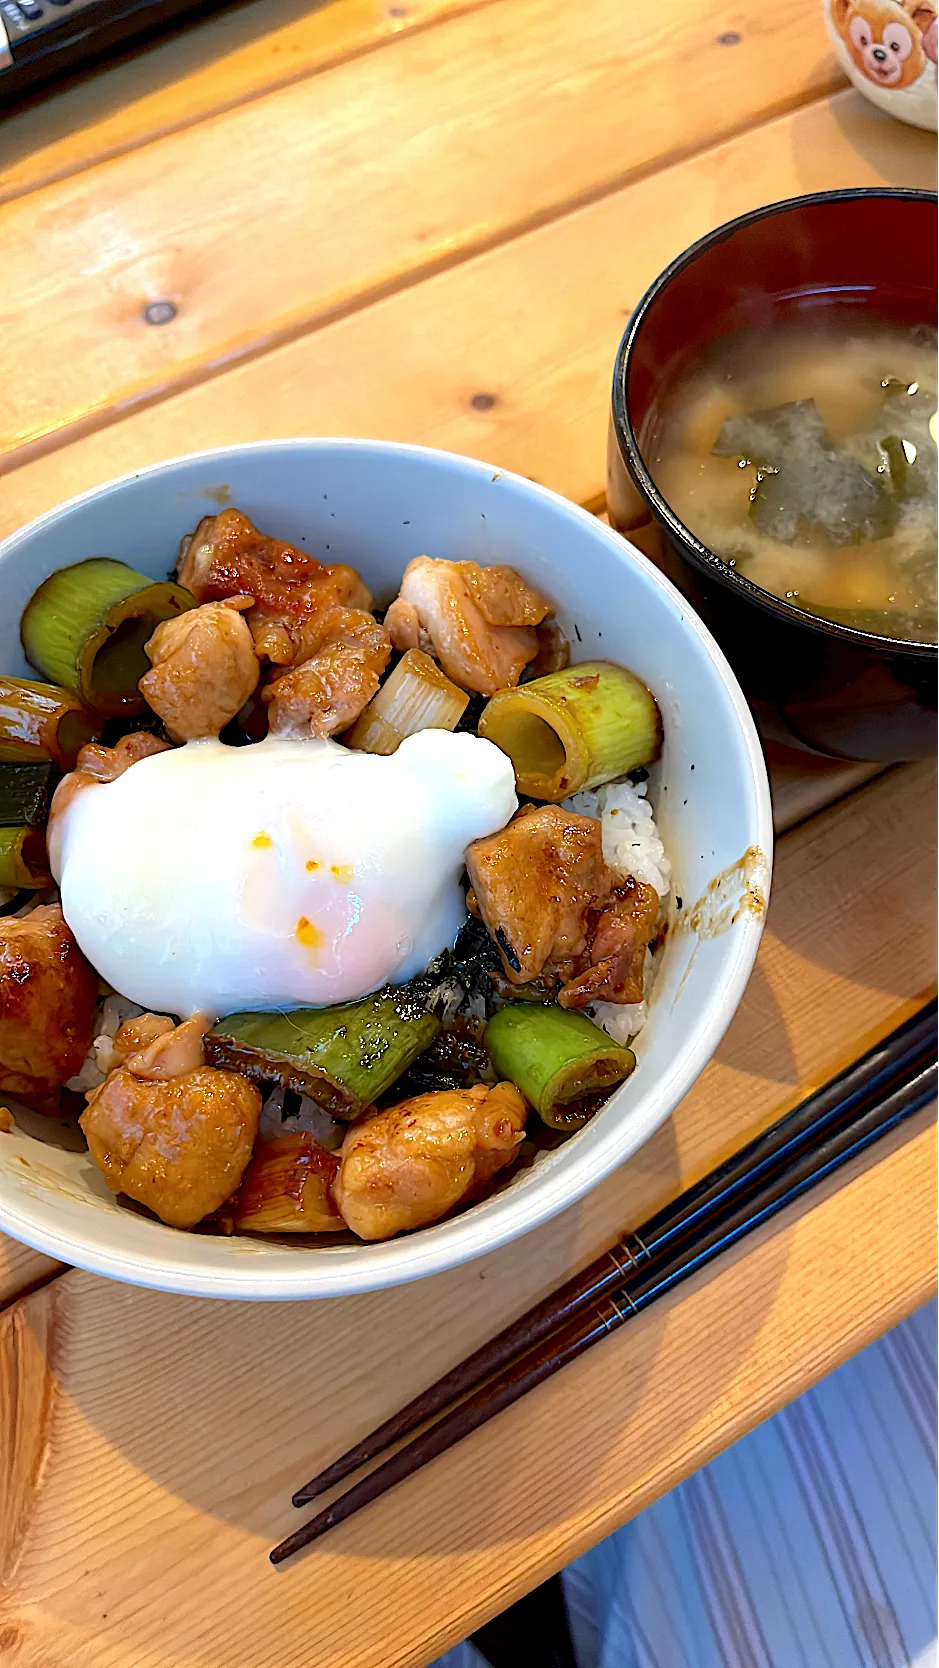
(534, 324)
(351, 182)
(22, 1268)
(115, 1533)
(164, 86)
(803, 784)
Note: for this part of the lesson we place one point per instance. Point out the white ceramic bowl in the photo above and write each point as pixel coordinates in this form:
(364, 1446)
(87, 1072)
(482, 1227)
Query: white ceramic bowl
(377, 505)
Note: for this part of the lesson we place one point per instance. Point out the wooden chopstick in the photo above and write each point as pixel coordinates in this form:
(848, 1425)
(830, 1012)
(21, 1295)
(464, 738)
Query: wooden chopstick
(810, 1167)
(839, 1099)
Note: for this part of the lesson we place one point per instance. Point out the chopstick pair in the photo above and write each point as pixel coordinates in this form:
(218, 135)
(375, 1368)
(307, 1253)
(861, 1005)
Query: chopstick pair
(854, 1109)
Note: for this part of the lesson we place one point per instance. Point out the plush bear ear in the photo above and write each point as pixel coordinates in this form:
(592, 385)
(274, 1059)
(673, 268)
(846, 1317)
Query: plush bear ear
(839, 12)
(923, 14)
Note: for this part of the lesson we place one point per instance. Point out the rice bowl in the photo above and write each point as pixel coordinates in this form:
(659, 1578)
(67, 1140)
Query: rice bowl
(379, 506)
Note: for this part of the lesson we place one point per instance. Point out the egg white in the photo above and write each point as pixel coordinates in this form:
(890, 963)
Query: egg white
(279, 875)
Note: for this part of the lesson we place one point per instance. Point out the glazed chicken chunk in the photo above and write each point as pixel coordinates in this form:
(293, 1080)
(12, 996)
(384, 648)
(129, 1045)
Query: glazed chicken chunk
(227, 556)
(533, 883)
(345, 652)
(617, 939)
(204, 669)
(169, 1131)
(479, 623)
(410, 1165)
(557, 913)
(48, 996)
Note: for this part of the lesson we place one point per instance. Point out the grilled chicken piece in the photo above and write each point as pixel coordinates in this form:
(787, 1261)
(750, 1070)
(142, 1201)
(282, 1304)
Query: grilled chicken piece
(554, 651)
(171, 1051)
(287, 1189)
(227, 556)
(96, 763)
(347, 652)
(204, 669)
(557, 913)
(617, 948)
(410, 1165)
(137, 1034)
(502, 595)
(174, 1135)
(48, 997)
(533, 884)
(479, 623)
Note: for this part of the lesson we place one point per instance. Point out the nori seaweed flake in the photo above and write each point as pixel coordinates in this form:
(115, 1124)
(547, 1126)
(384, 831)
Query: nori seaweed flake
(801, 476)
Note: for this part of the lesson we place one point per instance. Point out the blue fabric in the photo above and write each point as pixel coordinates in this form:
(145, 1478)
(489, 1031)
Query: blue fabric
(811, 1543)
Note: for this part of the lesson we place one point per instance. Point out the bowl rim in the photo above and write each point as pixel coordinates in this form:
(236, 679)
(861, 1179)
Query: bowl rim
(460, 1239)
(631, 453)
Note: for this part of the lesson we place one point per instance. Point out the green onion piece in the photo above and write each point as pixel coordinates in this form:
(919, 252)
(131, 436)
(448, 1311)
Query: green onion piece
(416, 696)
(39, 721)
(25, 791)
(23, 861)
(286, 1189)
(86, 626)
(563, 1063)
(574, 729)
(343, 1058)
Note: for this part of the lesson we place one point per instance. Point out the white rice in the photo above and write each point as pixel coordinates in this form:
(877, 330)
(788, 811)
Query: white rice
(631, 840)
(112, 1012)
(632, 846)
(308, 1118)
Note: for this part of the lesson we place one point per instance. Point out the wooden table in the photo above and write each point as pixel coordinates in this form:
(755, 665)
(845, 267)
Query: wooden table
(428, 221)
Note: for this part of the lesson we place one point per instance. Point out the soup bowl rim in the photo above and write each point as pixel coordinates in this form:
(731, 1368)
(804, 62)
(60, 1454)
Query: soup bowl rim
(631, 452)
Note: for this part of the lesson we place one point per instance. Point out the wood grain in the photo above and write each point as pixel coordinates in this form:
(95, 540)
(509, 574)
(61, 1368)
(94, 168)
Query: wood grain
(356, 180)
(211, 66)
(175, 1428)
(21, 1268)
(535, 324)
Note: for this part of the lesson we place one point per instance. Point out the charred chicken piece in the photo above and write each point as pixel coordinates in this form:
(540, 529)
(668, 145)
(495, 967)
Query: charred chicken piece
(227, 556)
(533, 884)
(479, 623)
(204, 669)
(558, 915)
(410, 1165)
(619, 936)
(347, 652)
(48, 997)
(170, 1132)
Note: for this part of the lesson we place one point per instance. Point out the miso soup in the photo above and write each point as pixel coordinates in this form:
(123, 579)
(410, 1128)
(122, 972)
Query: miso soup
(805, 456)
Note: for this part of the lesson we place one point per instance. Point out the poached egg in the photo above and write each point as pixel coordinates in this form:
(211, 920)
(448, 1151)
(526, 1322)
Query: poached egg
(285, 874)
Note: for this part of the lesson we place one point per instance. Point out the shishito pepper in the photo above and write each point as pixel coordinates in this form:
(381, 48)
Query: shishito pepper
(86, 626)
(560, 1060)
(344, 1058)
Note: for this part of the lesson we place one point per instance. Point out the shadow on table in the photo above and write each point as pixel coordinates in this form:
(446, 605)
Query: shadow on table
(900, 155)
(148, 66)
